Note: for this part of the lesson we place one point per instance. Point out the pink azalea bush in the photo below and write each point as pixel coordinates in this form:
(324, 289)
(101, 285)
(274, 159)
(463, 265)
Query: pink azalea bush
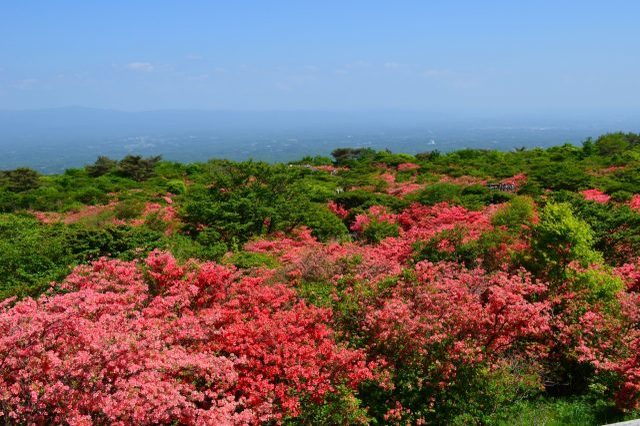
(595, 195)
(634, 203)
(197, 343)
(337, 209)
(404, 167)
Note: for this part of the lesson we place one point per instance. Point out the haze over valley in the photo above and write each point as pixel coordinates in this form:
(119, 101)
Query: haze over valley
(51, 140)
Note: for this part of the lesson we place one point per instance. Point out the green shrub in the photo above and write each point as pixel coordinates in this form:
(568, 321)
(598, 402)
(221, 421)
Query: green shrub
(176, 186)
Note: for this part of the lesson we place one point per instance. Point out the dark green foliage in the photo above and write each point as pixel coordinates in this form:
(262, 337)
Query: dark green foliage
(563, 175)
(19, 180)
(31, 256)
(245, 260)
(615, 228)
(345, 155)
(123, 242)
(377, 231)
(250, 199)
(91, 196)
(450, 246)
(475, 197)
(129, 209)
(136, 167)
(514, 215)
(102, 166)
(611, 144)
(184, 247)
(438, 193)
(314, 161)
(363, 200)
(324, 224)
(428, 156)
(572, 411)
(339, 408)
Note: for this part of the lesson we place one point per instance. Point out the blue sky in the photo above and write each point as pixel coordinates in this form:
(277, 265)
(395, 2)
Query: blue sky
(470, 56)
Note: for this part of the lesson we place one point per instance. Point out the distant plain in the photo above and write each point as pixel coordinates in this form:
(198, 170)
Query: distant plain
(51, 140)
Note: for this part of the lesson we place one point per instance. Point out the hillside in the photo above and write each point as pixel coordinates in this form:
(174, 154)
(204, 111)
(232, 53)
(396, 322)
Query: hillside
(470, 287)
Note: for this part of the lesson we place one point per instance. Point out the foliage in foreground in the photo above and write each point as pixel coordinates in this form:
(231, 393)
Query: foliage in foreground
(199, 343)
(379, 288)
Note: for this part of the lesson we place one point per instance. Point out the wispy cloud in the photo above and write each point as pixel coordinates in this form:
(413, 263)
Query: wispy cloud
(432, 73)
(352, 66)
(394, 65)
(199, 77)
(25, 84)
(140, 66)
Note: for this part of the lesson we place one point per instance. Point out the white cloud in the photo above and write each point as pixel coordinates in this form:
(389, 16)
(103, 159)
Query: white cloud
(200, 77)
(25, 84)
(140, 66)
(432, 73)
(352, 66)
(393, 65)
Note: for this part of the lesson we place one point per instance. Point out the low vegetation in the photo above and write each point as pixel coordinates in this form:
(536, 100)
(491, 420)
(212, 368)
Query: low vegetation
(472, 287)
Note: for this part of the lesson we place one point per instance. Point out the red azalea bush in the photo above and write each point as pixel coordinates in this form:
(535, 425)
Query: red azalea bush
(201, 343)
(595, 195)
(518, 180)
(634, 203)
(612, 342)
(455, 316)
(400, 189)
(391, 254)
(337, 209)
(375, 213)
(404, 167)
(445, 330)
(447, 326)
(195, 343)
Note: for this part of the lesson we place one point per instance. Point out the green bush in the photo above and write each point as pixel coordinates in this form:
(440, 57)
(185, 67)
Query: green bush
(176, 186)
(245, 259)
(440, 192)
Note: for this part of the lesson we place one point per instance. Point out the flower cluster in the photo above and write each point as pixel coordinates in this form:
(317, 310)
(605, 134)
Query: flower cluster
(194, 343)
(451, 317)
(595, 195)
(634, 203)
(405, 167)
(337, 209)
(400, 189)
(375, 213)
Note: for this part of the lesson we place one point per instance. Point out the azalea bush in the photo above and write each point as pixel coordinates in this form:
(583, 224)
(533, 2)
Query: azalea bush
(471, 287)
(197, 343)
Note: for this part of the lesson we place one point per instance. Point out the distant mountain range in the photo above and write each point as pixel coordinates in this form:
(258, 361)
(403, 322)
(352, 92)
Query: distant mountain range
(51, 140)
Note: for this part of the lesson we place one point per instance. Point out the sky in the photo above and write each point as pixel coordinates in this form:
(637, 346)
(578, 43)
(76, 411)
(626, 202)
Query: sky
(472, 56)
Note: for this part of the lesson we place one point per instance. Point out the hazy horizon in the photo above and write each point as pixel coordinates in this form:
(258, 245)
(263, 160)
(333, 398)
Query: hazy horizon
(52, 140)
